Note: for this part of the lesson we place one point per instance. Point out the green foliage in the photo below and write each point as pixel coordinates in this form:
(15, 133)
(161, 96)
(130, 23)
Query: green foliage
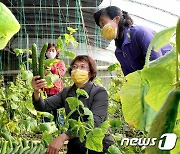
(113, 150)
(83, 127)
(113, 67)
(70, 54)
(165, 119)
(160, 39)
(50, 62)
(94, 140)
(8, 25)
(48, 126)
(21, 51)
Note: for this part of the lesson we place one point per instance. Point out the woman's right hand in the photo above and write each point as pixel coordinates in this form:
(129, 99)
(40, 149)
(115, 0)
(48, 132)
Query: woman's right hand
(38, 83)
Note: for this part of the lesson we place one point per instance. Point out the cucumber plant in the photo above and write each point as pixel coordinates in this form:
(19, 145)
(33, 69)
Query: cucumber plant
(38, 68)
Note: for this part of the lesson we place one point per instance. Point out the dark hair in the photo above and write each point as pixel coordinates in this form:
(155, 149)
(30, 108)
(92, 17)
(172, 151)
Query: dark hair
(91, 63)
(52, 45)
(112, 12)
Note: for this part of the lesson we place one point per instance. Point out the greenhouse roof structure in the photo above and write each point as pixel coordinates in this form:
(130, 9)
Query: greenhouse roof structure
(48, 19)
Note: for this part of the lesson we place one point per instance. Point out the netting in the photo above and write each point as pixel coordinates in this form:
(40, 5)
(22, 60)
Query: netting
(43, 21)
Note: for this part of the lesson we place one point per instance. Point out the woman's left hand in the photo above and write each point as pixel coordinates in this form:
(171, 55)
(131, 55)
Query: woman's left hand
(57, 144)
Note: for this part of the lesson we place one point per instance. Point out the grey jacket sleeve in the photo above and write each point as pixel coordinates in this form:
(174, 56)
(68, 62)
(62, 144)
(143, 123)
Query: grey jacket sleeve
(99, 106)
(50, 103)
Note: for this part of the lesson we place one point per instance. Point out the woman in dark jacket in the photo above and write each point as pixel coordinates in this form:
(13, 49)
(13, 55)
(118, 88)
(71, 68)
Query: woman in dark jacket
(131, 41)
(82, 71)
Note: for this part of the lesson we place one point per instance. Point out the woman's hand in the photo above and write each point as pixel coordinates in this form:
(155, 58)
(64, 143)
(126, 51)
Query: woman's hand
(37, 85)
(57, 144)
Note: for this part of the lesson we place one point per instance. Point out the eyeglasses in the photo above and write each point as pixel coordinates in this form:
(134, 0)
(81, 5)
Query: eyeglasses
(81, 67)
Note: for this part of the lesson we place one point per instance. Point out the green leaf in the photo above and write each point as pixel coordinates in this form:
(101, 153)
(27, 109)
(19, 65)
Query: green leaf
(160, 40)
(30, 124)
(51, 79)
(70, 54)
(74, 103)
(115, 122)
(50, 62)
(30, 107)
(21, 51)
(81, 92)
(71, 30)
(47, 136)
(8, 25)
(14, 106)
(1, 109)
(89, 113)
(160, 82)
(48, 115)
(105, 126)
(113, 150)
(82, 133)
(131, 99)
(74, 127)
(113, 67)
(48, 126)
(94, 140)
(26, 75)
(60, 44)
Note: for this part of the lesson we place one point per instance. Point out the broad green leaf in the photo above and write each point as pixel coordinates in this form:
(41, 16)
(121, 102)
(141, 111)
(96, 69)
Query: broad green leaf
(90, 118)
(11, 126)
(178, 36)
(8, 25)
(30, 107)
(51, 79)
(26, 75)
(48, 126)
(47, 137)
(73, 127)
(160, 40)
(60, 44)
(113, 150)
(73, 103)
(168, 61)
(94, 140)
(105, 126)
(82, 133)
(81, 92)
(113, 67)
(131, 99)
(160, 82)
(115, 122)
(30, 124)
(48, 115)
(70, 54)
(50, 62)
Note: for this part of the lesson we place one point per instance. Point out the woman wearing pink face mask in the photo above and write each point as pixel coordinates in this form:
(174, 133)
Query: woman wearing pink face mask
(58, 69)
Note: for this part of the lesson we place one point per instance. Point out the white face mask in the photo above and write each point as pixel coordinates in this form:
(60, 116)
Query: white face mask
(51, 55)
